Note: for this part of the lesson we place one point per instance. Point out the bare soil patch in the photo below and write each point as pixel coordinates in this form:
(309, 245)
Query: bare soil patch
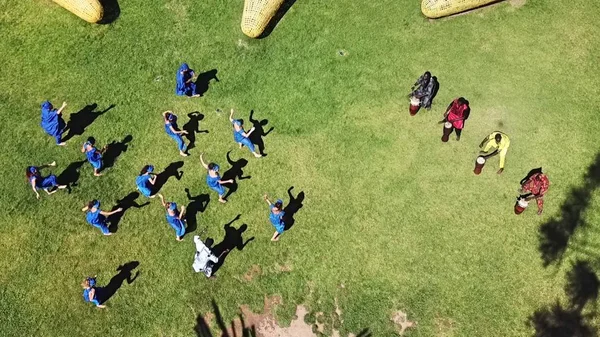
(402, 323)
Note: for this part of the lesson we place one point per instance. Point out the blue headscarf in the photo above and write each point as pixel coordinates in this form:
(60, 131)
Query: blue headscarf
(171, 117)
(173, 206)
(237, 122)
(150, 169)
(184, 67)
(96, 204)
(50, 120)
(216, 168)
(32, 169)
(46, 105)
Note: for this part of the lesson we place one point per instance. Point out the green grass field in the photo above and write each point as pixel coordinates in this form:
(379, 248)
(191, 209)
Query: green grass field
(389, 212)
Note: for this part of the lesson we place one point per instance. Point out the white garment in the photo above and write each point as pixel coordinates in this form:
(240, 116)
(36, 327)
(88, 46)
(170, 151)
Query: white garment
(203, 258)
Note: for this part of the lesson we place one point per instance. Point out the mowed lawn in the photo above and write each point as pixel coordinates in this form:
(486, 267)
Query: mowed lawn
(392, 219)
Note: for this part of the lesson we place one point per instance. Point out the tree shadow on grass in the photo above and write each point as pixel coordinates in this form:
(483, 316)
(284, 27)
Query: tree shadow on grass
(554, 235)
(126, 203)
(82, 119)
(236, 172)
(558, 321)
(232, 240)
(192, 127)
(202, 327)
(170, 171)
(197, 205)
(256, 137)
(70, 175)
(292, 208)
(114, 150)
(125, 274)
(111, 11)
(285, 7)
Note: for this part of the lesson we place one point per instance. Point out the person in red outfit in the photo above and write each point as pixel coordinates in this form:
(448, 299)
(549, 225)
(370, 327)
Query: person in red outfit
(535, 187)
(457, 113)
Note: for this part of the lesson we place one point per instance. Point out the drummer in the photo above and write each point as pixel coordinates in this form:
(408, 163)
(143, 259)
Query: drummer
(499, 143)
(424, 89)
(534, 188)
(457, 113)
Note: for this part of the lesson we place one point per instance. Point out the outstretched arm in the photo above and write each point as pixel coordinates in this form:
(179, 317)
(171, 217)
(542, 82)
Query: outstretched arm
(267, 200)
(37, 195)
(247, 134)
(231, 116)
(85, 208)
(202, 161)
(111, 213)
(52, 164)
(162, 200)
(59, 111)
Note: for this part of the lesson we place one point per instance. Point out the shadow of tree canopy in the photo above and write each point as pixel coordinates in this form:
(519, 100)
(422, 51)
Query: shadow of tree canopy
(557, 321)
(202, 327)
(555, 234)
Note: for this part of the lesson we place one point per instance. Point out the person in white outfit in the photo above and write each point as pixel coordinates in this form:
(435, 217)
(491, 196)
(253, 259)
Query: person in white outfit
(204, 259)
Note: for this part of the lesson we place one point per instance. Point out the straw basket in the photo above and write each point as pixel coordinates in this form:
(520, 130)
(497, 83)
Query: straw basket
(438, 8)
(89, 10)
(257, 14)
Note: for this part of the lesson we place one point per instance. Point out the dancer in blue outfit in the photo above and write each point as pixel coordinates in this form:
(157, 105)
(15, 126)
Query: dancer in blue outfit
(52, 121)
(185, 82)
(171, 128)
(213, 179)
(48, 184)
(94, 156)
(96, 217)
(276, 217)
(240, 136)
(90, 292)
(175, 218)
(145, 181)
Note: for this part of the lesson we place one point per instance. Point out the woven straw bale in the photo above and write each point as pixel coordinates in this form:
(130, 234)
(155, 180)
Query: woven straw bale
(257, 15)
(89, 10)
(438, 8)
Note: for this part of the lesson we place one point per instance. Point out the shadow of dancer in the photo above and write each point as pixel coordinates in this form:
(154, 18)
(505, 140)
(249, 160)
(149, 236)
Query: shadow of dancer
(70, 175)
(82, 119)
(291, 208)
(238, 328)
(234, 173)
(192, 127)
(111, 11)
(256, 137)
(108, 291)
(126, 203)
(170, 171)
(233, 239)
(197, 205)
(114, 150)
(203, 81)
(554, 235)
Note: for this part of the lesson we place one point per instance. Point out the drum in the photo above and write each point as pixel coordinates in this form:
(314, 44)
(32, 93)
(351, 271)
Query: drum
(415, 105)
(520, 205)
(479, 162)
(447, 131)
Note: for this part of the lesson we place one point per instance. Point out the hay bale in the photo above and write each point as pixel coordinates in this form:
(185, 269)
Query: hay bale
(257, 15)
(438, 8)
(89, 10)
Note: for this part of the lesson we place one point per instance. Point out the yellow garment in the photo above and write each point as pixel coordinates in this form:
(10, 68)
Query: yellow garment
(502, 147)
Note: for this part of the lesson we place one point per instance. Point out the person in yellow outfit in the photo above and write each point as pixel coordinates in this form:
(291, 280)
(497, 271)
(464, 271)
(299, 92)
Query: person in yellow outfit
(499, 143)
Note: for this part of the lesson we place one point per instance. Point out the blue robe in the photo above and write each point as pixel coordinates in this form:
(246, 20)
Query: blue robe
(213, 183)
(183, 88)
(177, 137)
(97, 220)
(44, 182)
(94, 157)
(239, 138)
(176, 223)
(277, 220)
(143, 184)
(52, 122)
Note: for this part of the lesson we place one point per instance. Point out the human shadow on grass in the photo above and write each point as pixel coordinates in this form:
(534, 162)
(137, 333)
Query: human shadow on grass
(233, 240)
(125, 274)
(168, 172)
(554, 235)
(202, 327)
(192, 127)
(197, 205)
(114, 150)
(203, 81)
(82, 119)
(236, 172)
(292, 208)
(285, 7)
(111, 11)
(256, 137)
(70, 175)
(125, 203)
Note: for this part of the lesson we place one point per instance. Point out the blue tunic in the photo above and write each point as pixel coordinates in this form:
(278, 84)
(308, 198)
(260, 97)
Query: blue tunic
(277, 220)
(143, 184)
(94, 157)
(176, 223)
(52, 122)
(97, 220)
(239, 138)
(182, 88)
(86, 296)
(177, 137)
(44, 182)
(213, 183)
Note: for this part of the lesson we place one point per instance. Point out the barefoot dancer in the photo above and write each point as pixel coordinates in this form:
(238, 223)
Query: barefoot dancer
(175, 218)
(185, 82)
(94, 156)
(52, 121)
(276, 217)
(48, 184)
(96, 217)
(213, 179)
(145, 181)
(170, 120)
(90, 293)
(240, 136)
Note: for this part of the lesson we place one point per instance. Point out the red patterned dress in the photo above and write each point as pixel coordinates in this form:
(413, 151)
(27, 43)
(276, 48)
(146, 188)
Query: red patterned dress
(537, 185)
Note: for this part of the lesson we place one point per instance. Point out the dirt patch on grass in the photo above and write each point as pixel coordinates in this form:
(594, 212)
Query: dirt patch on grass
(402, 323)
(444, 327)
(517, 3)
(252, 273)
(264, 325)
(286, 268)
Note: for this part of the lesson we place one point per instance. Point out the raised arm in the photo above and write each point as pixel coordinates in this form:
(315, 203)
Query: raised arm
(202, 161)
(267, 200)
(231, 116)
(162, 200)
(182, 213)
(59, 111)
(85, 208)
